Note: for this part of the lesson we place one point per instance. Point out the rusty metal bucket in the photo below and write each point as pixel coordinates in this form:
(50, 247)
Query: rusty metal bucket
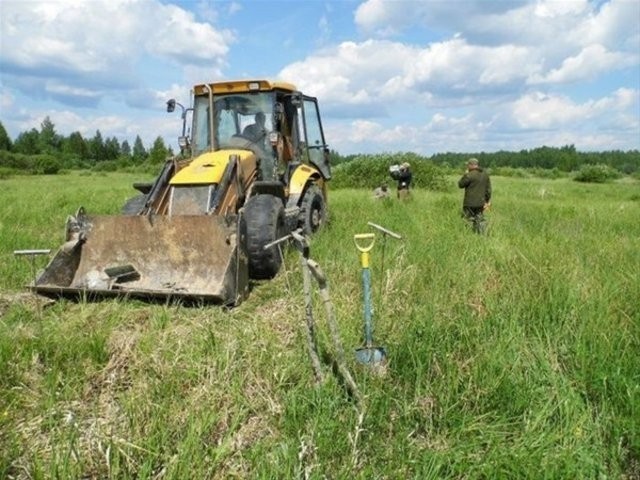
(195, 257)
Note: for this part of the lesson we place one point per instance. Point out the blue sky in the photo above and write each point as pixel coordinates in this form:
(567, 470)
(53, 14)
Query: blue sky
(390, 75)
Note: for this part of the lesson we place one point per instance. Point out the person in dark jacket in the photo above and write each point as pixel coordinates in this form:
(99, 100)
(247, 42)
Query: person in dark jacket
(403, 176)
(477, 195)
(256, 131)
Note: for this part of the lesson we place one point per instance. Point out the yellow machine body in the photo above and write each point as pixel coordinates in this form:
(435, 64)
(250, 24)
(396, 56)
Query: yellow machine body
(198, 230)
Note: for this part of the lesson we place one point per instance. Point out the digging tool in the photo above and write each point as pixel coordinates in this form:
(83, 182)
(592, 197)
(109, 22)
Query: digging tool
(311, 269)
(303, 246)
(385, 233)
(32, 254)
(369, 354)
(323, 285)
(301, 243)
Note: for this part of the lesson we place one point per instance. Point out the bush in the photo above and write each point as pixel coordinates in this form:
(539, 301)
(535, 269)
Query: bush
(551, 173)
(596, 174)
(369, 171)
(47, 165)
(17, 161)
(35, 164)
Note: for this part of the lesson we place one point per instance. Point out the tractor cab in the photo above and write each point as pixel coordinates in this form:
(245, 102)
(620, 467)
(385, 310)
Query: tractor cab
(274, 121)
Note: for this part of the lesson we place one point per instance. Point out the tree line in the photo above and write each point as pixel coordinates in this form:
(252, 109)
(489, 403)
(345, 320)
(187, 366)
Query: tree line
(563, 159)
(46, 151)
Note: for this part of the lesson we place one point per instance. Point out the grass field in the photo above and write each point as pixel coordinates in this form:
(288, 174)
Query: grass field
(515, 355)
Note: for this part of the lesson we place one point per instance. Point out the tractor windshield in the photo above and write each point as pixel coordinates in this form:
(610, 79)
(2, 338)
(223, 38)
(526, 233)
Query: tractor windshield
(241, 120)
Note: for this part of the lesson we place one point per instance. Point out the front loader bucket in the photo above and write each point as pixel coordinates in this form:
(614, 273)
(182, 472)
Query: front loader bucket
(191, 257)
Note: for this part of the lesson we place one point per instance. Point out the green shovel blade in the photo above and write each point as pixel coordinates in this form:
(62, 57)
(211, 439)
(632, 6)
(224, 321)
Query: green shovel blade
(371, 355)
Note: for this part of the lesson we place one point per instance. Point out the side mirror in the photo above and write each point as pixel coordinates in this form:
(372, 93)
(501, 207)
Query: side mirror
(183, 142)
(171, 105)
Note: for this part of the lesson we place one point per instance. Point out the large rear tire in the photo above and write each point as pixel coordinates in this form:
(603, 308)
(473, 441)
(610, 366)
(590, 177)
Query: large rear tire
(265, 222)
(313, 210)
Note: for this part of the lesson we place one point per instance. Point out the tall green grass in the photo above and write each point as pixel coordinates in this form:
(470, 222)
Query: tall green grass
(513, 355)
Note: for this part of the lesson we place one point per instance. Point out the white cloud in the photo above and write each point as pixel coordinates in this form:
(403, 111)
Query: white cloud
(456, 65)
(351, 73)
(533, 120)
(364, 130)
(376, 70)
(376, 15)
(556, 29)
(614, 26)
(622, 99)
(538, 110)
(174, 32)
(504, 49)
(386, 18)
(93, 47)
(550, 9)
(438, 133)
(588, 63)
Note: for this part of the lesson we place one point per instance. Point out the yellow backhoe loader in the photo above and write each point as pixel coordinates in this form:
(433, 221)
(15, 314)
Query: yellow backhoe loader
(253, 167)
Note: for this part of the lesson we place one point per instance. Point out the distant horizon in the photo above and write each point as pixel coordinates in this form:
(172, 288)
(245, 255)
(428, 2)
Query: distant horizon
(147, 147)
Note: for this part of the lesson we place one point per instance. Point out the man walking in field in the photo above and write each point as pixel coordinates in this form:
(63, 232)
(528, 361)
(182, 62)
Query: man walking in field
(477, 195)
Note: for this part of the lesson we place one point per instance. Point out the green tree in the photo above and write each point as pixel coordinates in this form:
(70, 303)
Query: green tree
(28, 143)
(112, 148)
(567, 158)
(76, 145)
(50, 141)
(139, 152)
(159, 152)
(96, 148)
(5, 141)
(125, 149)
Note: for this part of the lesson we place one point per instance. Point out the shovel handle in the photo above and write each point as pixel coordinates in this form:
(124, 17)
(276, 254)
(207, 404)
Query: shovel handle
(385, 231)
(364, 241)
(31, 252)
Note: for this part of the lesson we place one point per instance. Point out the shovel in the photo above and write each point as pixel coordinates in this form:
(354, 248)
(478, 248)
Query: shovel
(368, 354)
